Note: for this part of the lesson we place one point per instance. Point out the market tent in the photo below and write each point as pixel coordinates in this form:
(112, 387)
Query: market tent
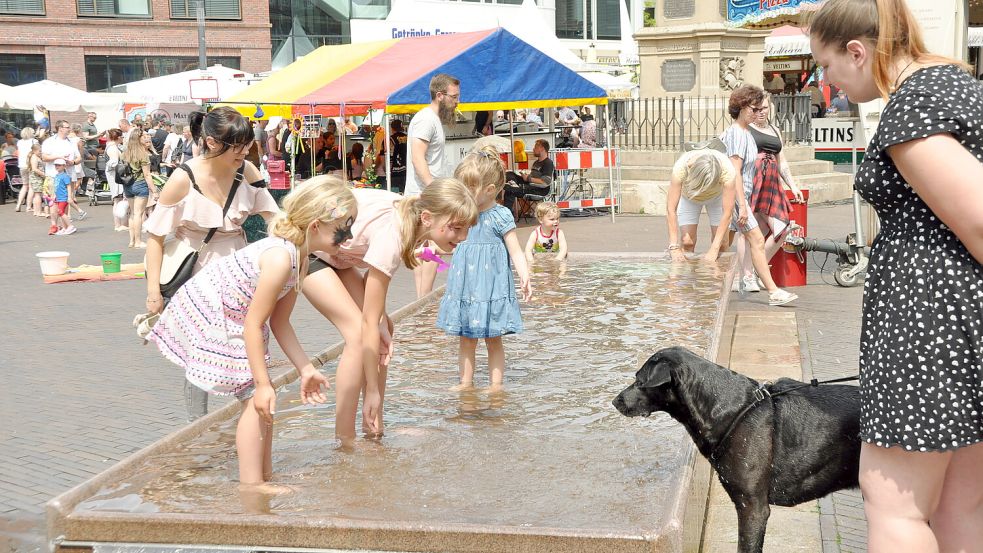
(619, 86)
(497, 71)
(753, 14)
(53, 96)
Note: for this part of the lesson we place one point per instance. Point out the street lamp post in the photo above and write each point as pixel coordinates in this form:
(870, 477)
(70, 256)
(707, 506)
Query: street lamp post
(200, 16)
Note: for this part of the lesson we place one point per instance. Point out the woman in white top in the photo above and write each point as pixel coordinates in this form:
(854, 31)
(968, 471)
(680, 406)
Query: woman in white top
(114, 147)
(26, 195)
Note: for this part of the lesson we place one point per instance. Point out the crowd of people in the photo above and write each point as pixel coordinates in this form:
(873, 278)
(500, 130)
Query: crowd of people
(59, 165)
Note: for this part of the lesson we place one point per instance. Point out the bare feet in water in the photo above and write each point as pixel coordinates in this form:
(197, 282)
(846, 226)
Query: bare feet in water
(464, 386)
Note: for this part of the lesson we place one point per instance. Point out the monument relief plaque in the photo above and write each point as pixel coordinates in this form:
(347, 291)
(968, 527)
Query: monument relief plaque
(678, 75)
(677, 9)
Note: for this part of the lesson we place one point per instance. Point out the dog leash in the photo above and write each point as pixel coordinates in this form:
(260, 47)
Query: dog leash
(760, 394)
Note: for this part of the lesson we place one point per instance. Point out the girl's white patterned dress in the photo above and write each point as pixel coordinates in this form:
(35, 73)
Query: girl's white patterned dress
(201, 329)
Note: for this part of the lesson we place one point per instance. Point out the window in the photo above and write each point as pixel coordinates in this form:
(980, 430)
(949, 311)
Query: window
(298, 27)
(214, 9)
(22, 7)
(608, 20)
(588, 19)
(102, 73)
(17, 69)
(570, 18)
(113, 8)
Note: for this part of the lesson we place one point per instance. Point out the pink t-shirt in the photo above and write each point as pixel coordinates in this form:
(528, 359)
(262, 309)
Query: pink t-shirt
(376, 234)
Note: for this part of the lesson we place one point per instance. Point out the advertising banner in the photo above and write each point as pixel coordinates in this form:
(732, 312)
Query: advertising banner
(766, 12)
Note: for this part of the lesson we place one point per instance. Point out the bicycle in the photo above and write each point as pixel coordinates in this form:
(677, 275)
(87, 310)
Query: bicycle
(578, 188)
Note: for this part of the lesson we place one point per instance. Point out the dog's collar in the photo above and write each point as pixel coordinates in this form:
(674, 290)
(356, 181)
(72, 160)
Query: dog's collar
(760, 393)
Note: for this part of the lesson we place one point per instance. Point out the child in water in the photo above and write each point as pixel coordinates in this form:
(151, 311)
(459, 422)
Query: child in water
(480, 300)
(547, 237)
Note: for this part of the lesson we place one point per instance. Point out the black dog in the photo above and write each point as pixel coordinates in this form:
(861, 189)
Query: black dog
(797, 446)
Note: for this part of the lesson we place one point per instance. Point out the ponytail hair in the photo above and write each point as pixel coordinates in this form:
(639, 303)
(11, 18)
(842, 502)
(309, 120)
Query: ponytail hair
(886, 24)
(225, 125)
(446, 199)
(323, 198)
(481, 167)
(195, 120)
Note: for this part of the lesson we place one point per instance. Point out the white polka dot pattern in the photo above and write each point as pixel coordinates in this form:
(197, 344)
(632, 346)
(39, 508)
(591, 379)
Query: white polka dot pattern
(921, 348)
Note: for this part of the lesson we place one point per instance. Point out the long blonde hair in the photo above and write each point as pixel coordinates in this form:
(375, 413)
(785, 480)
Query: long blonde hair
(445, 198)
(888, 24)
(480, 168)
(135, 150)
(323, 199)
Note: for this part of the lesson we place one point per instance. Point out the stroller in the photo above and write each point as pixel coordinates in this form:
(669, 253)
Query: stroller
(98, 190)
(12, 182)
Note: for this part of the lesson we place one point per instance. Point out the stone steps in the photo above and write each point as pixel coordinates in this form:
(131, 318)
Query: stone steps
(664, 172)
(667, 158)
(645, 178)
(649, 196)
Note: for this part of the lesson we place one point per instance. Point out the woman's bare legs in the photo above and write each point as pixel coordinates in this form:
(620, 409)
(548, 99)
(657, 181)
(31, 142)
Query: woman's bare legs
(137, 207)
(958, 520)
(774, 240)
(325, 290)
(756, 244)
(901, 490)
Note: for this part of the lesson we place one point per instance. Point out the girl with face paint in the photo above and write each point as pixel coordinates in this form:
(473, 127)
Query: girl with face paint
(219, 333)
(384, 235)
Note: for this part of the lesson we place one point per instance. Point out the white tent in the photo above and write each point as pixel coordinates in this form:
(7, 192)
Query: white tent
(176, 87)
(615, 86)
(53, 96)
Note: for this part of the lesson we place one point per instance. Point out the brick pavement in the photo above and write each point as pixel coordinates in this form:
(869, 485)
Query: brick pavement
(84, 393)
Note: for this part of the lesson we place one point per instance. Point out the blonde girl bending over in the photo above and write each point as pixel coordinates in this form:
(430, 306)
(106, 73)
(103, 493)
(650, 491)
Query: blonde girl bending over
(217, 325)
(385, 234)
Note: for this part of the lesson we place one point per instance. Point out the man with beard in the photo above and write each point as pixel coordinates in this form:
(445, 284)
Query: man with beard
(425, 161)
(426, 133)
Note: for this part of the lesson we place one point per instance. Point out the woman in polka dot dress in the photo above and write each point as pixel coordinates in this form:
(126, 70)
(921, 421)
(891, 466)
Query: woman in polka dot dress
(921, 347)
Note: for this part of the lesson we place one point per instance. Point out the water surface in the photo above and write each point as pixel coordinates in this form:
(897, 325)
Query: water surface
(550, 451)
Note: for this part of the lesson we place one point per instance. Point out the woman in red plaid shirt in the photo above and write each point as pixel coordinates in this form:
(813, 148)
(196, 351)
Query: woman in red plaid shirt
(769, 203)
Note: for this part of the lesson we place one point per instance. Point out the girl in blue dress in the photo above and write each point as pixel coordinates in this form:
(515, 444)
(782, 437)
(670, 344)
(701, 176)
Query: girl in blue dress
(480, 300)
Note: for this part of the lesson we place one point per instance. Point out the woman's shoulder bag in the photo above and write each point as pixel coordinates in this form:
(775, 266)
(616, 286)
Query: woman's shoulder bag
(180, 258)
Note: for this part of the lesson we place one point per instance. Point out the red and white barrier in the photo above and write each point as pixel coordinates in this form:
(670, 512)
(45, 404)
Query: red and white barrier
(580, 204)
(587, 159)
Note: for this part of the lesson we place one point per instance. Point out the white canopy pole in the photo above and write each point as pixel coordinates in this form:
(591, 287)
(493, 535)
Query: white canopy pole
(389, 172)
(343, 152)
(610, 152)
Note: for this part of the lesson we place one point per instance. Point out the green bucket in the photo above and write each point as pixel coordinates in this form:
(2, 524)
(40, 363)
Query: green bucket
(111, 262)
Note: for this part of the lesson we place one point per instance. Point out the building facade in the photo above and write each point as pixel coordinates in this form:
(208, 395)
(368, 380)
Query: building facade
(589, 28)
(95, 44)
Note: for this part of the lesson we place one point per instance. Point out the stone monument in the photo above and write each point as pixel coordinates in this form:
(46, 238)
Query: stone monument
(693, 51)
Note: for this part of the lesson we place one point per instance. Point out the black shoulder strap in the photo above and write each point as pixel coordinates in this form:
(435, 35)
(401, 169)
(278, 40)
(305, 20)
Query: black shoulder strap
(228, 203)
(184, 167)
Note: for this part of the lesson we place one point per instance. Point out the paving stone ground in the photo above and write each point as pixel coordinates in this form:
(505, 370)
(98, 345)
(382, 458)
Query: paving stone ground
(82, 393)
